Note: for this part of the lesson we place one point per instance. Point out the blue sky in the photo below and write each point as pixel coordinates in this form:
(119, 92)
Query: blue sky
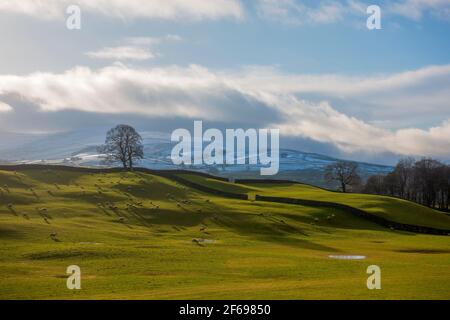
(310, 68)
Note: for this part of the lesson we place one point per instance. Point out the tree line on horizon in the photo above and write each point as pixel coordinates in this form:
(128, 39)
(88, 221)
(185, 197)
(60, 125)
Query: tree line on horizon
(425, 181)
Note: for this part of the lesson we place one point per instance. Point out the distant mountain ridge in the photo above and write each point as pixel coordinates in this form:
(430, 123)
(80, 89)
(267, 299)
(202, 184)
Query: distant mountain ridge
(79, 148)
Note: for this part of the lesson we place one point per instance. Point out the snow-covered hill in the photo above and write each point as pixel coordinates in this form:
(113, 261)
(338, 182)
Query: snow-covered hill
(79, 148)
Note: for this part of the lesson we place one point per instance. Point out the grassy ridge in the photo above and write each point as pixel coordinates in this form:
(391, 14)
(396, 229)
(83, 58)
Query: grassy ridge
(142, 236)
(392, 209)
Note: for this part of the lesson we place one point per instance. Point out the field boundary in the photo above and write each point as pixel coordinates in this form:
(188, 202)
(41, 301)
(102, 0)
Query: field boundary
(356, 212)
(174, 176)
(203, 188)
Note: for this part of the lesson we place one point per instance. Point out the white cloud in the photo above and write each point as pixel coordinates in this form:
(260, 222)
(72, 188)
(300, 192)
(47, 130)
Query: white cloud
(135, 48)
(270, 79)
(409, 96)
(280, 10)
(323, 123)
(118, 89)
(198, 93)
(143, 41)
(332, 11)
(129, 9)
(297, 12)
(174, 37)
(5, 107)
(415, 9)
(328, 12)
(122, 53)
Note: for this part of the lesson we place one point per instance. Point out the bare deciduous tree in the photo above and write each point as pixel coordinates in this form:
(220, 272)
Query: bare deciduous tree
(123, 144)
(375, 184)
(404, 175)
(344, 172)
(426, 181)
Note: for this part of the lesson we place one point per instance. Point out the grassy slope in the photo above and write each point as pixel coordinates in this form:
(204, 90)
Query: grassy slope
(393, 209)
(259, 250)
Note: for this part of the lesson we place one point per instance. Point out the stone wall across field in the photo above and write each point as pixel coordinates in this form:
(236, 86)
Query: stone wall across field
(174, 175)
(356, 212)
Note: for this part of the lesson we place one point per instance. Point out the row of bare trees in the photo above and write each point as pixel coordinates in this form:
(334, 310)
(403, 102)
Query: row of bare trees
(426, 181)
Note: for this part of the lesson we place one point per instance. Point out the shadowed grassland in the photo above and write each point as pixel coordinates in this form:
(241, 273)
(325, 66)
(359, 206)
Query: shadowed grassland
(392, 209)
(142, 236)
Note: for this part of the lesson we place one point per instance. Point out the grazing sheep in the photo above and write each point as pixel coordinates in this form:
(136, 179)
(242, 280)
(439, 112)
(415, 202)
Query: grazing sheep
(202, 228)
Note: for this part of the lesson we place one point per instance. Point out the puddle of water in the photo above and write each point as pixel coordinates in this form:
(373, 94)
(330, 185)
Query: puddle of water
(346, 257)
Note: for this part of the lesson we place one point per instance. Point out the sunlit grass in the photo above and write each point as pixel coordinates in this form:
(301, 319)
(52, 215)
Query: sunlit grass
(132, 235)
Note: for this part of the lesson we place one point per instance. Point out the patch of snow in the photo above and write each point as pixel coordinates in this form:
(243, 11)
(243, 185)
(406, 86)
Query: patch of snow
(346, 257)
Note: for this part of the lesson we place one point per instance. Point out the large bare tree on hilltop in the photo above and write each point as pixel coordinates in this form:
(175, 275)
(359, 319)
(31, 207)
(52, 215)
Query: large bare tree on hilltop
(124, 145)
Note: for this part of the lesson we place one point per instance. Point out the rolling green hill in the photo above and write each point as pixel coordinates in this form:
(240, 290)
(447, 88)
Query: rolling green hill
(392, 209)
(140, 235)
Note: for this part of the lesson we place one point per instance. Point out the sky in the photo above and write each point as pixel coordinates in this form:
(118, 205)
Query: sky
(310, 68)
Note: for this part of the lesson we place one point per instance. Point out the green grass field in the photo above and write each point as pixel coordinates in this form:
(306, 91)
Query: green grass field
(132, 236)
(393, 209)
